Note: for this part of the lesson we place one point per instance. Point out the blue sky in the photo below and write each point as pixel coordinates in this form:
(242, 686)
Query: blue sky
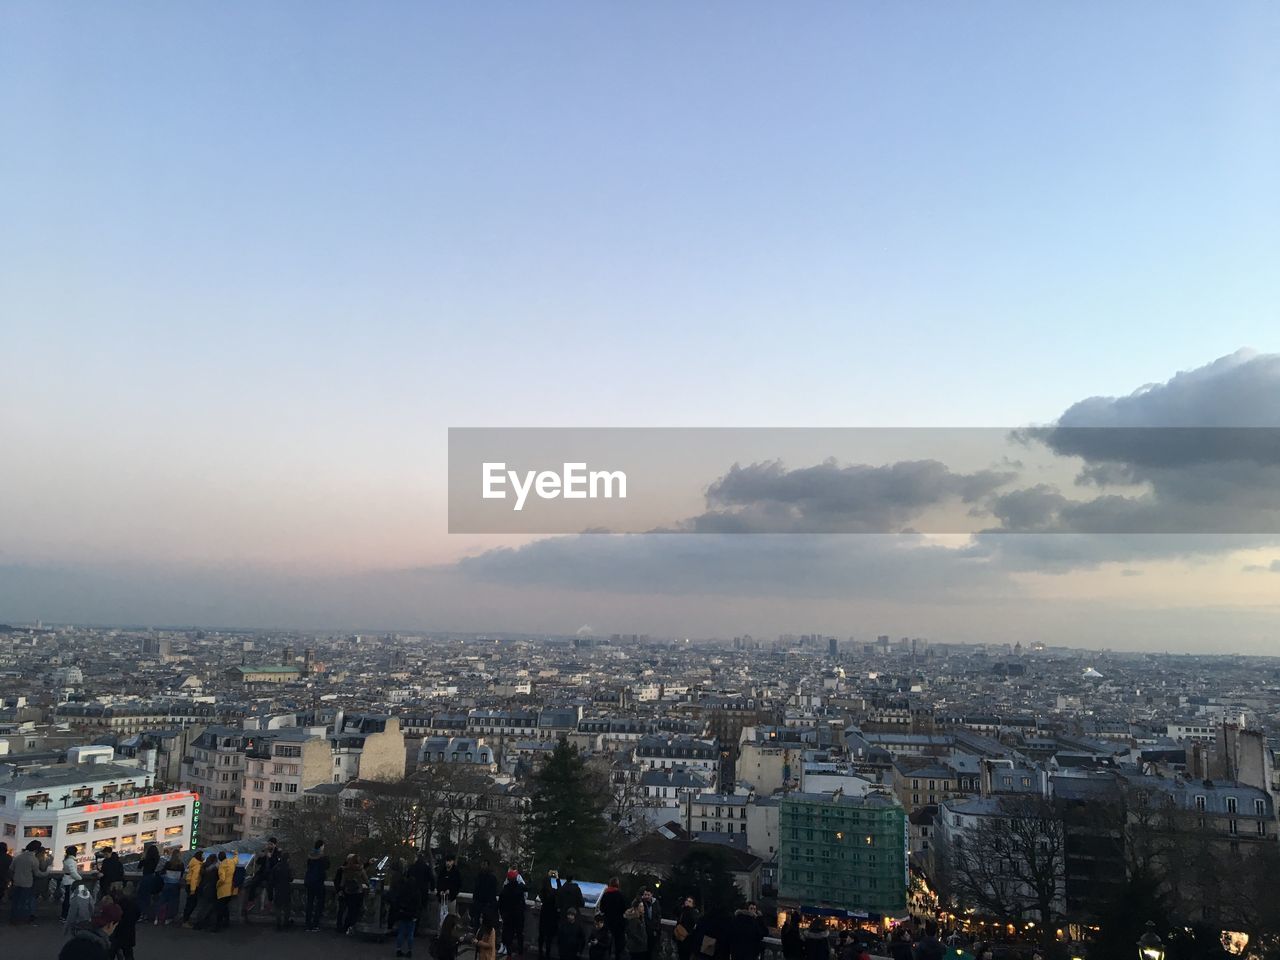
(256, 258)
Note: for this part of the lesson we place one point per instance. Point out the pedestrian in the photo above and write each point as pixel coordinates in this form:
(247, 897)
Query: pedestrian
(569, 897)
(746, 933)
(406, 904)
(686, 923)
(27, 869)
(484, 893)
(817, 941)
(281, 889)
(447, 940)
(652, 920)
(70, 876)
(147, 887)
(354, 884)
(112, 874)
(635, 931)
(125, 935)
(486, 937)
(93, 942)
(600, 943)
(194, 866)
(226, 889)
(313, 881)
(207, 894)
(793, 942)
(614, 907)
(80, 908)
(570, 937)
(171, 889)
(511, 907)
(422, 874)
(900, 948)
(6, 867)
(548, 915)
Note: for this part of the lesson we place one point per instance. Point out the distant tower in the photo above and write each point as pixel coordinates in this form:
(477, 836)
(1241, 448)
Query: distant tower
(286, 657)
(833, 646)
(306, 660)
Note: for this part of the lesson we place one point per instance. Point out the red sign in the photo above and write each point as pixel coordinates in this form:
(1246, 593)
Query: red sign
(139, 802)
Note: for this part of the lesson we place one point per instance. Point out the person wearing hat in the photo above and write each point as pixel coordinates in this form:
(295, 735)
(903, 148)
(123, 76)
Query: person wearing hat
(27, 869)
(511, 909)
(94, 941)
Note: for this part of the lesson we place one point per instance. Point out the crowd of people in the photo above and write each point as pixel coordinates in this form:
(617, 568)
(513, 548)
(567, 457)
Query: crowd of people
(101, 912)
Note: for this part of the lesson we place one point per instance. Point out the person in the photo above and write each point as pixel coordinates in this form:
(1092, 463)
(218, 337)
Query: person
(125, 935)
(548, 915)
(817, 941)
(226, 889)
(422, 874)
(259, 883)
(80, 908)
(635, 931)
(686, 923)
(194, 866)
(930, 947)
(207, 894)
(147, 886)
(70, 876)
(484, 892)
(746, 933)
(707, 937)
(112, 873)
(614, 907)
(486, 938)
(6, 866)
(793, 942)
(511, 906)
(446, 942)
(600, 945)
(281, 889)
(570, 937)
(354, 883)
(569, 897)
(27, 869)
(171, 890)
(406, 904)
(652, 920)
(900, 948)
(93, 942)
(313, 881)
(450, 883)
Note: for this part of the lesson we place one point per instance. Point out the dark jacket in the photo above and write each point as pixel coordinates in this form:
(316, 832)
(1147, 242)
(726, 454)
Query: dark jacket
(96, 938)
(901, 950)
(746, 936)
(930, 948)
(451, 882)
(792, 941)
(637, 934)
(600, 944)
(112, 870)
(125, 935)
(485, 891)
(317, 870)
(446, 944)
(406, 900)
(282, 881)
(549, 914)
(422, 874)
(570, 939)
(511, 902)
(817, 946)
(688, 919)
(613, 905)
(569, 897)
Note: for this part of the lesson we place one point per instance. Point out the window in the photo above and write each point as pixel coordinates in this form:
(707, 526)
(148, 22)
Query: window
(1200, 802)
(1233, 827)
(176, 830)
(1262, 828)
(128, 840)
(37, 832)
(1260, 807)
(1231, 804)
(277, 787)
(147, 836)
(149, 815)
(80, 826)
(129, 818)
(178, 811)
(291, 788)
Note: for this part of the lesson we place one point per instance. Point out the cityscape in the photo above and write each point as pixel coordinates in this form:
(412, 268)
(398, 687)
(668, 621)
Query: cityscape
(564, 480)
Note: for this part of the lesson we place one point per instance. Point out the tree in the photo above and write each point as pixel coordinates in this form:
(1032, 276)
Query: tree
(705, 876)
(568, 829)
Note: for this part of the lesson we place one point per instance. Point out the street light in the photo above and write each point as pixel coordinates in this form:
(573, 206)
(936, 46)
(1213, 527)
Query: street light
(1150, 947)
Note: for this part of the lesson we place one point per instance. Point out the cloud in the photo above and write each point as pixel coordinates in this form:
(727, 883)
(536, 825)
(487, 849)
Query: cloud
(828, 497)
(1272, 567)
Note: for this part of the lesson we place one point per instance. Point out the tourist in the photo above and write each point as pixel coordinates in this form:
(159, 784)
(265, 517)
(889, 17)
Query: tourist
(207, 894)
(148, 886)
(511, 907)
(484, 893)
(448, 886)
(93, 942)
(354, 884)
(80, 907)
(70, 876)
(171, 889)
(6, 867)
(450, 935)
(900, 948)
(817, 941)
(600, 945)
(281, 889)
(486, 937)
(313, 881)
(548, 915)
(194, 867)
(652, 920)
(111, 873)
(125, 935)
(635, 931)
(746, 933)
(614, 907)
(792, 941)
(226, 889)
(570, 937)
(405, 906)
(27, 869)
(686, 923)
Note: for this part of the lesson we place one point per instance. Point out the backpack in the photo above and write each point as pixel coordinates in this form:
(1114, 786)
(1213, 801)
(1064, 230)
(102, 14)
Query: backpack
(350, 884)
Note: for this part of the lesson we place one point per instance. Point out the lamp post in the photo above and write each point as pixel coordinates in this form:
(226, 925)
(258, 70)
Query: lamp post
(1150, 946)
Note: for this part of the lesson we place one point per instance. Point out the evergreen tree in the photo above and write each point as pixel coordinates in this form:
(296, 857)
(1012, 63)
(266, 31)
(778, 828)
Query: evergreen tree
(705, 876)
(568, 830)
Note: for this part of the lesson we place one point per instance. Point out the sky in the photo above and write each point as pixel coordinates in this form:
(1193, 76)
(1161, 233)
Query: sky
(256, 259)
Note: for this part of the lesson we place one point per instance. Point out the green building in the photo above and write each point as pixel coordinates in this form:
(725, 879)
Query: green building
(844, 852)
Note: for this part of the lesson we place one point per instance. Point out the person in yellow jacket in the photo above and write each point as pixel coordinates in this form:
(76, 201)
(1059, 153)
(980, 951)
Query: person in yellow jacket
(194, 866)
(226, 889)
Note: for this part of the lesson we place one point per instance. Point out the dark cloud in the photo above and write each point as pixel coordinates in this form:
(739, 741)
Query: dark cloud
(829, 497)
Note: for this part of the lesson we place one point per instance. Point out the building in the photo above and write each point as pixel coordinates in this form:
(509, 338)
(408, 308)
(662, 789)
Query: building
(267, 673)
(95, 805)
(465, 750)
(847, 853)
